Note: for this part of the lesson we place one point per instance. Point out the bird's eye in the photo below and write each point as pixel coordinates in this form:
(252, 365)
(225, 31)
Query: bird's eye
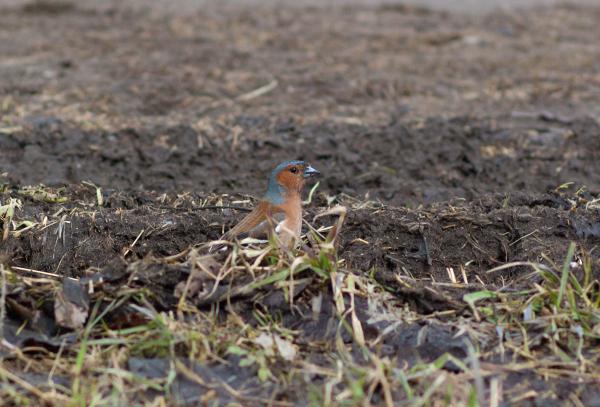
(293, 170)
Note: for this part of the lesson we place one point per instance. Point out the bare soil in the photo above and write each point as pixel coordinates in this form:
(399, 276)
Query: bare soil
(459, 144)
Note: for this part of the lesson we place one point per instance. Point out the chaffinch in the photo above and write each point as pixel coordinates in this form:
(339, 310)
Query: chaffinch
(280, 209)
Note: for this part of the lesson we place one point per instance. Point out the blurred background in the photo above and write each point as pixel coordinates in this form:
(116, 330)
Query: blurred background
(459, 6)
(402, 101)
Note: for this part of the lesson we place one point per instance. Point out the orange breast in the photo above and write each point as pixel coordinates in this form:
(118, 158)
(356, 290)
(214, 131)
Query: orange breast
(292, 223)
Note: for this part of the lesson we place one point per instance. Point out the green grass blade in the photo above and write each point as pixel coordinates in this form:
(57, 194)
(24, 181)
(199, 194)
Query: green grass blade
(565, 274)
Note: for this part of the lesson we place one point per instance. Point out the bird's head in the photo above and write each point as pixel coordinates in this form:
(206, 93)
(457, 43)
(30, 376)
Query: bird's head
(288, 177)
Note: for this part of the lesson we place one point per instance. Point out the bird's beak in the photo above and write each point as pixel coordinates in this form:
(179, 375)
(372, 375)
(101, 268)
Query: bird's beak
(310, 172)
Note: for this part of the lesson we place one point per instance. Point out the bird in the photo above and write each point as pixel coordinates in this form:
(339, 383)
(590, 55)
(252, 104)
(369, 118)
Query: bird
(280, 209)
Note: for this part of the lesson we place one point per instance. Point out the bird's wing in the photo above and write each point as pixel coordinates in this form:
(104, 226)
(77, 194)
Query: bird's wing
(262, 230)
(251, 221)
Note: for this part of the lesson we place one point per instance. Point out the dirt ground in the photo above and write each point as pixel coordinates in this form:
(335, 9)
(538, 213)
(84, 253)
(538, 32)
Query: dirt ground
(465, 148)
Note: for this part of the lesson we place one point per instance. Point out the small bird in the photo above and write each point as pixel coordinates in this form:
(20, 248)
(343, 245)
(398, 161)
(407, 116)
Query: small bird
(280, 209)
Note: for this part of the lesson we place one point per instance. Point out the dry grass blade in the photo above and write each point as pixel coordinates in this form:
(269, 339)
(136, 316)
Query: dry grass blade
(46, 397)
(340, 211)
(7, 212)
(2, 299)
(535, 266)
(42, 273)
(263, 90)
(356, 324)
